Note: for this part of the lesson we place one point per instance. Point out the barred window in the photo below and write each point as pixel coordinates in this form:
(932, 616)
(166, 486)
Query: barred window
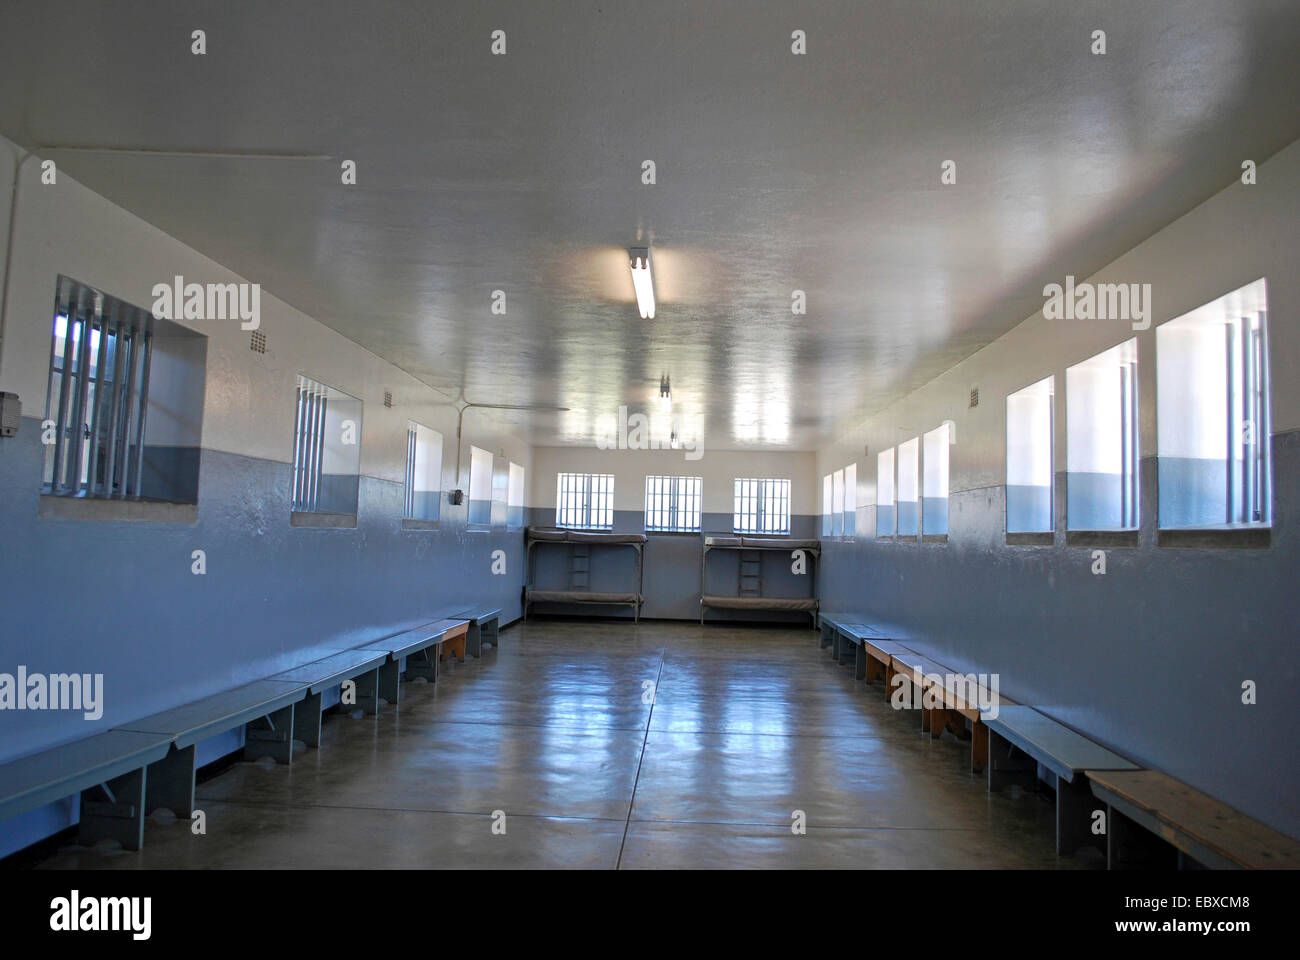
(672, 504)
(423, 473)
(761, 506)
(585, 500)
(326, 450)
(1212, 414)
(125, 401)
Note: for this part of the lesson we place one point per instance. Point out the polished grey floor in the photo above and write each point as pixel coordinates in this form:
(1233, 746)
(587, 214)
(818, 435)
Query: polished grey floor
(609, 745)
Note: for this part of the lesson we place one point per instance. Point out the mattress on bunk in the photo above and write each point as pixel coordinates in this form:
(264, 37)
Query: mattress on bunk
(580, 596)
(780, 543)
(584, 536)
(558, 535)
(547, 533)
(760, 603)
(722, 541)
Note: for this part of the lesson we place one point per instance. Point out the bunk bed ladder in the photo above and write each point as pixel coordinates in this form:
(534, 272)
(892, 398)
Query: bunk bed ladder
(751, 574)
(579, 567)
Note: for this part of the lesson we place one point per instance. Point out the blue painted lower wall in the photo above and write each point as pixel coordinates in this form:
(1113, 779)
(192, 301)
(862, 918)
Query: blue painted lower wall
(119, 597)
(1148, 659)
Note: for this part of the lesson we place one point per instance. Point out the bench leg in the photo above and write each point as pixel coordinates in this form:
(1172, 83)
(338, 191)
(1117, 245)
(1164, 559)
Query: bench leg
(1130, 846)
(474, 641)
(859, 662)
(307, 719)
(938, 722)
(115, 811)
(271, 736)
(424, 663)
(1008, 766)
(170, 783)
(488, 633)
(368, 691)
(455, 646)
(390, 681)
(979, 746)
(825, 639)
(873, 669)
(1074, 806)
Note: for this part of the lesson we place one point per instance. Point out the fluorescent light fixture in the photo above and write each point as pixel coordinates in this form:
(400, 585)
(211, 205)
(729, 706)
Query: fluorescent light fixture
(665, 392)
(645, 292)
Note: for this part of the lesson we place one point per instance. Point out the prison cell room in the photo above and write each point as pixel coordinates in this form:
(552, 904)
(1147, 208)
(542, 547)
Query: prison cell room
(769, 436)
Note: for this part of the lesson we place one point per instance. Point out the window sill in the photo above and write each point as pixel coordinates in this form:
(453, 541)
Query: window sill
(419, 523)
(1101, 538)
(336, 521)
(478, 528)
(673, 533)
(1041, 538)
(1240, 538)
(89, 508)
(934, 538)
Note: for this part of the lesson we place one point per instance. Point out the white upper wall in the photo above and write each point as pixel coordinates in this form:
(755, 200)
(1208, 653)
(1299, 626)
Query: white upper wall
(249, 398)
(1237, 236)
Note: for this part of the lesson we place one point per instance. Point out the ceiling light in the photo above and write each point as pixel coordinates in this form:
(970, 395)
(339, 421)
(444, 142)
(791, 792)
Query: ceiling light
(645, 294)
(665, 392)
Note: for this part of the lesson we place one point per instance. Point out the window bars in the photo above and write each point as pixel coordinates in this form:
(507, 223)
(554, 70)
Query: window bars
(100, 354)
(1246, 350)
(761, 506)
(412, 447)
(672, 504)
(308, 444)
(585, 500)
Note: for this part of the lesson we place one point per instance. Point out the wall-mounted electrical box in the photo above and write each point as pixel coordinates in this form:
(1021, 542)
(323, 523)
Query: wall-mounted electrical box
(456, 497)
(11, 414)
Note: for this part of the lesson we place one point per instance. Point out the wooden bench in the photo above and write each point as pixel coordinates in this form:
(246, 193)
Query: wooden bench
(1208, 831)
(359, 666)
(880, 660)
(129, 771)
(850, 638)
(484, 627)
(827, 624)
(265, 706)
(454, 641)
(917, 670)
(1021, 738)
(842, 636)
(108, 770)
(879, 644)
(959, 707)
(419, 647)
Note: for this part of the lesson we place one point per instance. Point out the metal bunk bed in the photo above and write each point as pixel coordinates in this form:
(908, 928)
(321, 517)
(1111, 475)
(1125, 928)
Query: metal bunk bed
(580, 566)
(750, 575)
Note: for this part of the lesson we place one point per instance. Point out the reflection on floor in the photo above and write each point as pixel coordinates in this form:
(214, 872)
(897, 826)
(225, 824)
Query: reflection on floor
(604, 744)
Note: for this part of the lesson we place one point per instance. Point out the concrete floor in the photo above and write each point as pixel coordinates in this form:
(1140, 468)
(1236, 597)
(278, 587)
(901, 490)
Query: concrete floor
(747, 726)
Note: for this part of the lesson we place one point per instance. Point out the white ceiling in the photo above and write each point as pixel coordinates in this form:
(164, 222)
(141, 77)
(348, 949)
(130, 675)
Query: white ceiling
(775, 172)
